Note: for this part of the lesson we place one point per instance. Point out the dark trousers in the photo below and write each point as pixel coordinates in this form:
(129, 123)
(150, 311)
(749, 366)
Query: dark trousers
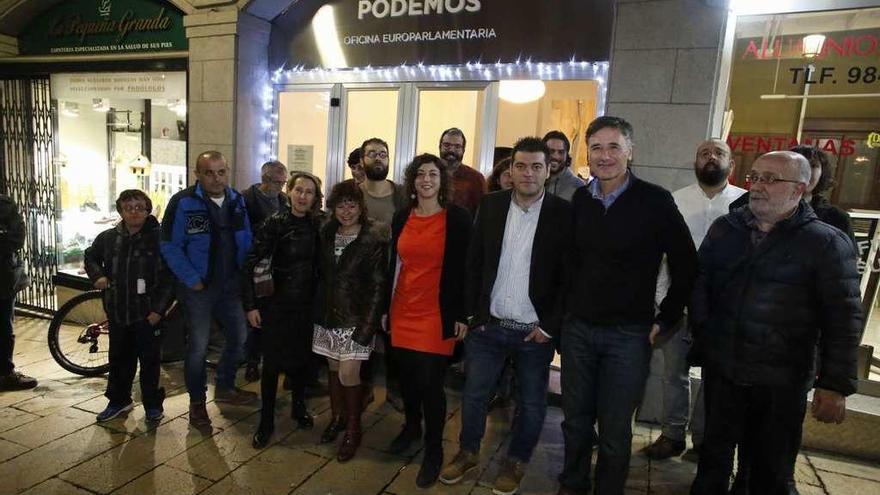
(7, 338)
(253, 347)
(487, 350)
(604, 369)
(130, 344)
(768, 420)
(422, 376)
(287, 335)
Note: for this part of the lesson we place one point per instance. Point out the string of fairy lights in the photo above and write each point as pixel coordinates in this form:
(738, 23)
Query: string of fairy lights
(471, 71)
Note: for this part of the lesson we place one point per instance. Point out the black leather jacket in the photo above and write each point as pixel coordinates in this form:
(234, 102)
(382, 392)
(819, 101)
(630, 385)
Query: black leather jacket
(759, 310)
(293, 244)
(351, 290)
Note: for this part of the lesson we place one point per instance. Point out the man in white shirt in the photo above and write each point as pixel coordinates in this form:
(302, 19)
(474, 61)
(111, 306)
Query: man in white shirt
(515, 281)
(700, 203)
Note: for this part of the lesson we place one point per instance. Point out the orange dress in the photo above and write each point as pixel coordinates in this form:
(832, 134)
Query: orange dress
(415, 307)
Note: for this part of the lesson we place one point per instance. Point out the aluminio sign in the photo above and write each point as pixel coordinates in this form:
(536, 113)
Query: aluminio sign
(105, 26)
(359, 33)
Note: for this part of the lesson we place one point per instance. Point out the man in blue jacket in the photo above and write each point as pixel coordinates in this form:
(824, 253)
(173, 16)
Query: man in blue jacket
(205, 236)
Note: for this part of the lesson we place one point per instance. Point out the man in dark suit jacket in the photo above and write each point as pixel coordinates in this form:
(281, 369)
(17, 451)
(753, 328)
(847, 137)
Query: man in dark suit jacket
(515, 281)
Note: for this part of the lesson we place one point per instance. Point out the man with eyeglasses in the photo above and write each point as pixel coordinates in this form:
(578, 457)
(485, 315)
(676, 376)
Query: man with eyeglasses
(468, 184)
(382, 198)
(262, 200)
(206, 234)
(773, 283)
(700, 203)
(622, 228)
(124, 262)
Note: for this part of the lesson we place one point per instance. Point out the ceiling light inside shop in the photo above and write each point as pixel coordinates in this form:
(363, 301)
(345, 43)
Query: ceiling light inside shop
(813, 45)
(327, 38)
(70, 109)
(521, 91)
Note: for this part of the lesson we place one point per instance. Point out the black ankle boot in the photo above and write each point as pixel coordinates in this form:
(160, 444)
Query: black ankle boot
(300, 413)
(262, 436)
(405, 439)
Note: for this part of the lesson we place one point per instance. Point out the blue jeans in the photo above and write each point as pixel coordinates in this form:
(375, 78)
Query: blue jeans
(676, 391)
(201, 308)
(604, 369)
(486, 350)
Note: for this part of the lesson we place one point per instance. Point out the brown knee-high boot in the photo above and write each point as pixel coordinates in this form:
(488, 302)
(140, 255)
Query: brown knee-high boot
(353, 407)
(337, 409)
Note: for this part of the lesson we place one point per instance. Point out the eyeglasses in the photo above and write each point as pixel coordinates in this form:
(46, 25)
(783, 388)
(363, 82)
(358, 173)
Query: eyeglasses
(756, 178)
(135, 209)
(377, 154)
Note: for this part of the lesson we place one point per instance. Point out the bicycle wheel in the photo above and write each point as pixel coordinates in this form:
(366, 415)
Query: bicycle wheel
(79, 335)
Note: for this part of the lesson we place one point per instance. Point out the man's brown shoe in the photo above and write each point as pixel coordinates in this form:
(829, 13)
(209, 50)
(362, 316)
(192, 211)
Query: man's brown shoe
(509, 476)
(234, 396)
(664, 448)
(198, 415)
(463, 462)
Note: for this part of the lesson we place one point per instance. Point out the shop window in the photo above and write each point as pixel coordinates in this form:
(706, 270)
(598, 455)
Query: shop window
(371, 113)
(567, 106)
(442, 109)
(108, 143)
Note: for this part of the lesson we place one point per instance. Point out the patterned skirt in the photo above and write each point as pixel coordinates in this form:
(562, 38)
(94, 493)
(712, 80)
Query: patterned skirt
(336, 343)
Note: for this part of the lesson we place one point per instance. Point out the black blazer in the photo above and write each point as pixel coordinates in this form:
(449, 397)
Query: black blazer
(452, 275)
(548, 265)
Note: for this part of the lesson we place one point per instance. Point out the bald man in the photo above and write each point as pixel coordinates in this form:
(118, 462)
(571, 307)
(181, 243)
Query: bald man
(205, 236)
(700, 203)
(774, 283)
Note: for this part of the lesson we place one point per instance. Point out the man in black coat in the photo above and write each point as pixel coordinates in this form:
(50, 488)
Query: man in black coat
(773, 283)
(516, 273)
(12, 234)
(623, 226)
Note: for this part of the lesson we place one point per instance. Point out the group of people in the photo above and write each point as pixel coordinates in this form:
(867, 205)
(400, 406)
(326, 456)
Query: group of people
(601, 272)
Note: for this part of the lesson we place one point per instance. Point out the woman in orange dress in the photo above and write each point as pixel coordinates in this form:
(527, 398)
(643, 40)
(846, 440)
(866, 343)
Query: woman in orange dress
(429, 242)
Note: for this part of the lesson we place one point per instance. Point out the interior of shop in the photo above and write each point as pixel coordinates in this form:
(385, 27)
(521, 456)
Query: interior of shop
(107, 145)
(814, 78)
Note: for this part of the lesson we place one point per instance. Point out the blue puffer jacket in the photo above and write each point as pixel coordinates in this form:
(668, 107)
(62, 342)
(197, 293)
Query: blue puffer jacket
(188, 239)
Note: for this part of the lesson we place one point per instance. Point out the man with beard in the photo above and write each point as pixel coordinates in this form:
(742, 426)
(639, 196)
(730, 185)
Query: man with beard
(382, 197)
(700, 203)
(562, 181)
(468, 184)
(774, 283)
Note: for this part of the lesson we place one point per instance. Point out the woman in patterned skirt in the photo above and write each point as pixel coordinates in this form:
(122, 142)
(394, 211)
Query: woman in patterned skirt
(353, 257)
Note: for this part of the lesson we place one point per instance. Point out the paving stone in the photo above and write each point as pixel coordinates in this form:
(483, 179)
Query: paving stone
(217, 456)
(116, 467)
(367, 473)
(277, 469)
(8, 450)
(839, 484)
(843, 465)
(60, 455)
(165, 480)
(42, 431)
(804, 472)
(57, 395)
(13, 418)
(56, 486)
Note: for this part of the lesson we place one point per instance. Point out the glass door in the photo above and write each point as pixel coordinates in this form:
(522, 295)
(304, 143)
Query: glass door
(371, 111)
(304, 132)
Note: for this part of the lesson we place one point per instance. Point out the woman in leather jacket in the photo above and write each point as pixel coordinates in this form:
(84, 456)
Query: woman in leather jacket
(289, 238)
(353, 257)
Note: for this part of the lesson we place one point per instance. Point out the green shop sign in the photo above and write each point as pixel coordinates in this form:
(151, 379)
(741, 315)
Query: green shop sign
(105, 26)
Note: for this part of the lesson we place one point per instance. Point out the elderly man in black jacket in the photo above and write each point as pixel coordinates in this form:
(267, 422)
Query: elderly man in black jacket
(773, 282)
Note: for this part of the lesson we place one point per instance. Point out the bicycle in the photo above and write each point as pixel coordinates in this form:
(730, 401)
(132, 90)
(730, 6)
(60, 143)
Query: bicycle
(79, 335)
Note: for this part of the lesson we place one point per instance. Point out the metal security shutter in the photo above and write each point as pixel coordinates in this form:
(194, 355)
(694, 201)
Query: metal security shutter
(27, 174)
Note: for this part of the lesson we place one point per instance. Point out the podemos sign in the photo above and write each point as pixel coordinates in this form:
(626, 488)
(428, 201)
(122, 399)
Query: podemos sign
(359, 33)
(105, 26)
